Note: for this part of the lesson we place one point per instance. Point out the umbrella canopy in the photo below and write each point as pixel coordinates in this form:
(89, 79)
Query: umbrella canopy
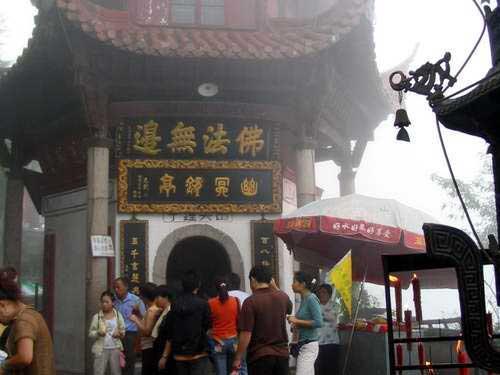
(370, 227)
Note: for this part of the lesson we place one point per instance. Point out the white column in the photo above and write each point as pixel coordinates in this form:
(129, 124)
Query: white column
(97, 216)
(306, 179)
(347, 181)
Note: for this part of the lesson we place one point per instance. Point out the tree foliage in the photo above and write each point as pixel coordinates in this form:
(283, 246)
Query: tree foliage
(479, 197)
(367, 303)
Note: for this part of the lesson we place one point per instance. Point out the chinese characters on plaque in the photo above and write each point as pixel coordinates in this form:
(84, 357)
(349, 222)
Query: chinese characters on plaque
(196, 218)
(264, 247)
(199, 186)
(196, 138)
(133, 252)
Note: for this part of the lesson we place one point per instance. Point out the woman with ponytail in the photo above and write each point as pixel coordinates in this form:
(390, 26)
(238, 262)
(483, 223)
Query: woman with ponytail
(306, 323)
(29, 344)
(223, 341)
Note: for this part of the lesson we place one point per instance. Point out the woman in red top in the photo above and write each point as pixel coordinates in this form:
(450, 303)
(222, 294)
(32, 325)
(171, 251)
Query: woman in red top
(223, 338)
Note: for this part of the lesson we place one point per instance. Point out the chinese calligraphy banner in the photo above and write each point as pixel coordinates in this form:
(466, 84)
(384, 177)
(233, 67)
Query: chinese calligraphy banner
(167, 138)
(264, 247)
(199, 186)
(372, 231)
(134, 252)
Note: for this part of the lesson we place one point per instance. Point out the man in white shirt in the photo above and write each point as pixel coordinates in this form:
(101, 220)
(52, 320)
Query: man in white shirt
(234, 282)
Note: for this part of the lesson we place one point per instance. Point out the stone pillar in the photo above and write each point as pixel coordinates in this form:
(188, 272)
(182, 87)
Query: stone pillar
(97, 221)
(306, 179)
(306, 185)
(13, 226)
(97, 213)
(347, 181)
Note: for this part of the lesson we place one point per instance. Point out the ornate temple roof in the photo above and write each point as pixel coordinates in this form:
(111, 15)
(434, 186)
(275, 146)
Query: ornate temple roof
(279, 38)
(326, 62)
(474, 113)
(487, 87)
(356, 103)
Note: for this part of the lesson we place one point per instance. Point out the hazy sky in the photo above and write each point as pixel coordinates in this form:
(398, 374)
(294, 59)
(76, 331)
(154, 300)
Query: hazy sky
(402, 170)
(389, 169)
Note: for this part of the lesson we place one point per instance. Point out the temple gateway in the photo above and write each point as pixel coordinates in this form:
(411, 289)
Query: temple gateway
(178, 129)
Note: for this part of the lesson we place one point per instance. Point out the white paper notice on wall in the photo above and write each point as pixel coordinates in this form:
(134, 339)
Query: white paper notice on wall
(102, 246)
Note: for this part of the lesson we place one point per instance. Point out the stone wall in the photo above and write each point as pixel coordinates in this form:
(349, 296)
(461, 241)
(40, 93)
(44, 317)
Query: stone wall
(66, 217)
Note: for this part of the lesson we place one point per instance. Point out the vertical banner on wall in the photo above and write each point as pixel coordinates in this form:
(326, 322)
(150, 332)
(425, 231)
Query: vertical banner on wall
(264, 248)
(134, 252)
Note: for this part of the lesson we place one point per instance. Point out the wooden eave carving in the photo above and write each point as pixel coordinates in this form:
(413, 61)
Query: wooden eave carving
(280, 39)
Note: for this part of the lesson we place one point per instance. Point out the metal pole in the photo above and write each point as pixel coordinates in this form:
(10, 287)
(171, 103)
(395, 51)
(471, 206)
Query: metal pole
(349, 345)
(390, 327)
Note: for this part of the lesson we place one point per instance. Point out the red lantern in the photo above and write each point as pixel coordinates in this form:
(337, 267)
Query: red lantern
(421, 356)
(489, 324)
(396, 282)
(408, 328)
(399, 356)
(417, 298)
(461, 358)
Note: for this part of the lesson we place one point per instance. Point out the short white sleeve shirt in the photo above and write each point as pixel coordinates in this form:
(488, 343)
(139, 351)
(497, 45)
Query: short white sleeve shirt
(242, 296)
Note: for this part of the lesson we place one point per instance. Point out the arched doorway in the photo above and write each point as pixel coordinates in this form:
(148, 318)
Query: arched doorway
(205, 255)
(166, 248)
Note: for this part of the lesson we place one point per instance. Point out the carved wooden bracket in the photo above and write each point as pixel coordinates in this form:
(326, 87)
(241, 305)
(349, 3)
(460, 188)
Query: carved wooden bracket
(95, 100)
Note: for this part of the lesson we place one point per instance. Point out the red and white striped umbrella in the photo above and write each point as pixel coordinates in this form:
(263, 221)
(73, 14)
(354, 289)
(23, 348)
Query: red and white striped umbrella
(325, 230)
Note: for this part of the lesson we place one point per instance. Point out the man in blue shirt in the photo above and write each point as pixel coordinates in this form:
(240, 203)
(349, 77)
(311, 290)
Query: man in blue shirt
(127, 304)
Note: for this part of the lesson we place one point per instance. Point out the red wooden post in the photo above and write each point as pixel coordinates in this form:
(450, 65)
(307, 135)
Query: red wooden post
(49, 257)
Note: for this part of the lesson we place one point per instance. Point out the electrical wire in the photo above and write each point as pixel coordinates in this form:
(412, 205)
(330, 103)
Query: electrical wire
(438, 125)
(466, 62)
(455, 184)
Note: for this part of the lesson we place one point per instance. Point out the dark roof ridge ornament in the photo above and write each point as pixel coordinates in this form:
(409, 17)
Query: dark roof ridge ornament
(430, 80)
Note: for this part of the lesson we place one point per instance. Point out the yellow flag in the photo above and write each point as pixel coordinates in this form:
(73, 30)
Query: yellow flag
(340, 276)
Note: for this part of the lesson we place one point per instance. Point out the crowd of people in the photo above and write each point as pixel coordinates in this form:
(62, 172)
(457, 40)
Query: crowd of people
(180, 332)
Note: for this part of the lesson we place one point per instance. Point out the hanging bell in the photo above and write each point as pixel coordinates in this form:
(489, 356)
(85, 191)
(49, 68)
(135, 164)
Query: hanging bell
(403, 135)
(401, 118)
(402, 121)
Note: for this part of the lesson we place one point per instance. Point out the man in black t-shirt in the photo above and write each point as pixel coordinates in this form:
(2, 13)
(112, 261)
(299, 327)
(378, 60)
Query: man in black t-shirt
(188, 324)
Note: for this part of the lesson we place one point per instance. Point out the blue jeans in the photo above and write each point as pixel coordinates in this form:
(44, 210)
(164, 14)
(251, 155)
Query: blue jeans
(223, 356)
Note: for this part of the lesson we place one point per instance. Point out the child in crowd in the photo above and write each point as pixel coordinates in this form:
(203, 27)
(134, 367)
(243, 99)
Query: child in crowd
(108, 328)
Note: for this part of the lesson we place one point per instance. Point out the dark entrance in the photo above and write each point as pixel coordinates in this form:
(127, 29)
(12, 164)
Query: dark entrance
(206, 256)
